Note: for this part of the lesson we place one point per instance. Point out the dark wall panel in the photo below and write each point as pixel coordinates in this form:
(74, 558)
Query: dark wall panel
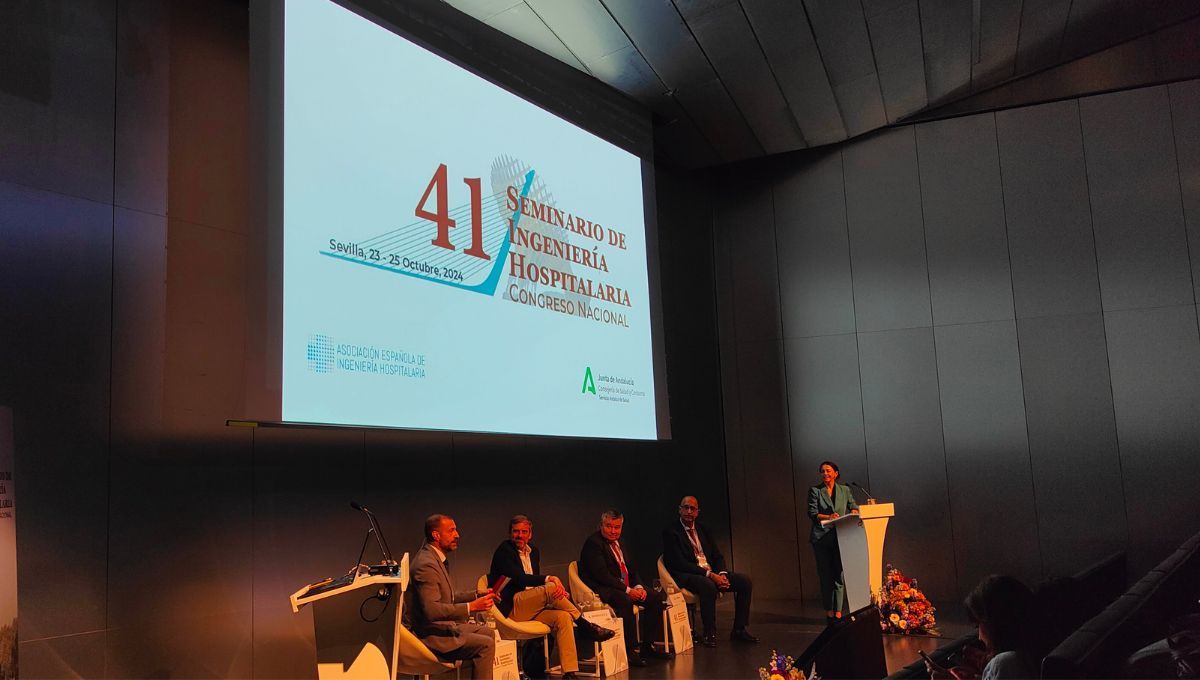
(209, 145)
(992, 493)
(887, 240)
(56, 97)
(1134, 186)
(205, 327)
(903, 423)
(1155, 358)
(1185, 119)
(142, 97)
(826, 423)
(70, 657)
(969, 279)
(768, 493)
(1048, 215)
(1072, 441)
(198, 487)
(745, 222)
(816, 285)
(55, 328)
(305, 530)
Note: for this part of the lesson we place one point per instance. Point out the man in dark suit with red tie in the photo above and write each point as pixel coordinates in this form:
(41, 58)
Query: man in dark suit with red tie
(693, 559)
(607, 568)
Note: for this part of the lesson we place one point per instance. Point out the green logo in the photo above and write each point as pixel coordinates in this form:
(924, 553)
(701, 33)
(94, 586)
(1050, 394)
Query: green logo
(589, 385)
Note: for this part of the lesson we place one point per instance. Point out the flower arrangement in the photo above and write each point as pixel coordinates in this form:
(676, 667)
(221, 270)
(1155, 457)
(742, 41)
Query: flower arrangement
(781, 668)
(903, 608)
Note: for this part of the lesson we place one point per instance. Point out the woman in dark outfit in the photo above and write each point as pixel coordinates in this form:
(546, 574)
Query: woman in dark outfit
(829, 500)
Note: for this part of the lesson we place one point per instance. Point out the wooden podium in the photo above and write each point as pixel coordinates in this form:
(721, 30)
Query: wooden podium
(358, 628)
(860, 539)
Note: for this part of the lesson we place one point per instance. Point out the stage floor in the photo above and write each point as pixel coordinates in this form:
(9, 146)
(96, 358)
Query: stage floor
(787, 627)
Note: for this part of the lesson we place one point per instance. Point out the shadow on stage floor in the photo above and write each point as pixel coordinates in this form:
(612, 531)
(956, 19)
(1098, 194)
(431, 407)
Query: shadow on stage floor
(786, 626)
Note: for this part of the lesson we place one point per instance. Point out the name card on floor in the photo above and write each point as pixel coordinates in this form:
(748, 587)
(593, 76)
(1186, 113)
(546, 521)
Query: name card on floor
(612, 651)
(681, 627)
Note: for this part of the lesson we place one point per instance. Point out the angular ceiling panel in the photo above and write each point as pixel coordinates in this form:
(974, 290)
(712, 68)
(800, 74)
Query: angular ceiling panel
(731, 46)
(787, 40)
(735, 79)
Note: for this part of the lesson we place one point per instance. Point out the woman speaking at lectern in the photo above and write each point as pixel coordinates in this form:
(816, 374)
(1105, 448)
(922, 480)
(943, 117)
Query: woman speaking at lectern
(829, 500)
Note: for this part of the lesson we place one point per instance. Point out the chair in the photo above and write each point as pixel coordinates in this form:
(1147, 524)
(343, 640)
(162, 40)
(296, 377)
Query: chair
(669, 584)
(689, 597)
(412, 657)
(519, 630)
(581, 593)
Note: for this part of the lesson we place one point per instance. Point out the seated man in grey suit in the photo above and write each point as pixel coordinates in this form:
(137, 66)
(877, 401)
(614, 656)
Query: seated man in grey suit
(437, 614)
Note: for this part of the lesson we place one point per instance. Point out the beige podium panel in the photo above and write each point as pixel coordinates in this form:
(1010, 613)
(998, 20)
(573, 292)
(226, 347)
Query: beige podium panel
(860, 539)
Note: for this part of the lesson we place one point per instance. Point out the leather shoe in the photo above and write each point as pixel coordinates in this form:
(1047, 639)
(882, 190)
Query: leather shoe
(654, 653)
(569, 675)
(742, 635)
(636, 660)
(708, 640)
(593, 632)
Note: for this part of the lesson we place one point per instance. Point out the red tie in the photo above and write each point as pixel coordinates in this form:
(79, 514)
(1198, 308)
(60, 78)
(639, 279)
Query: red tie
(621, 563)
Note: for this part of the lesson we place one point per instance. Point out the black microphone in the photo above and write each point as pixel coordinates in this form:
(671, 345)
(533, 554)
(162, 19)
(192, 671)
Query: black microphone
(379, 539)
(865, 490)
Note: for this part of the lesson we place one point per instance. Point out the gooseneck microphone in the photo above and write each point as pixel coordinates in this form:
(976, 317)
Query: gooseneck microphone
(379, 539)
(865, 490)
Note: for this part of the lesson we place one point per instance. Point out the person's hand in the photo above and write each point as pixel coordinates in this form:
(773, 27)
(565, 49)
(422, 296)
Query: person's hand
(638, 594)
(557, 591)
(483, 602)
(834, 515)
(721, 580)
(974, 657)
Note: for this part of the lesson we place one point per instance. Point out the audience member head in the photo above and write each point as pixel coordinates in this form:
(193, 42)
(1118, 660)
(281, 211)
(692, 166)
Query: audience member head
(440, 530)
(1002, 607)
(520, 528)
(689, 510)
(611, 523)
(829, 472)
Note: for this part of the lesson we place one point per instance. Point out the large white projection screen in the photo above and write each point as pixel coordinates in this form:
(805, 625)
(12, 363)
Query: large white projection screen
(454, 257)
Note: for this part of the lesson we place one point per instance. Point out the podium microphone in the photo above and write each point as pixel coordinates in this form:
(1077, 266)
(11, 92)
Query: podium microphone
(388, 565)
(870, 498)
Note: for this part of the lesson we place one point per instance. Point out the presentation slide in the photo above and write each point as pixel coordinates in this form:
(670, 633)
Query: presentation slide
(455, 257)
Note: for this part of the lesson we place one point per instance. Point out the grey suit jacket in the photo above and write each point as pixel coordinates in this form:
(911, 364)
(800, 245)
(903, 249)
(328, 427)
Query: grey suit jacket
(432, 610)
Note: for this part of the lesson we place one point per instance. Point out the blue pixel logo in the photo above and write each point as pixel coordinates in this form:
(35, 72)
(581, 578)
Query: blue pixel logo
(320, 353)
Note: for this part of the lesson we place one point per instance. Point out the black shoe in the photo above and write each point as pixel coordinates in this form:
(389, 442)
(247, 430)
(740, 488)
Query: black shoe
(708, 640)
(569, 675)
(636, 660)
(742, 635)
(590, 631)
(654, 653)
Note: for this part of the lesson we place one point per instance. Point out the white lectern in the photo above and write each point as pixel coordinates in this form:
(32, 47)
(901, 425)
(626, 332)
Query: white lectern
(359, 633)
(860, 539)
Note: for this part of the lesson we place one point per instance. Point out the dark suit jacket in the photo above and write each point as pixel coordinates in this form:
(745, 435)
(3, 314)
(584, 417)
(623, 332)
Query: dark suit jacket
(680, 558)
(598, 567)
(432, 610)
(819, 502)
(507, 562)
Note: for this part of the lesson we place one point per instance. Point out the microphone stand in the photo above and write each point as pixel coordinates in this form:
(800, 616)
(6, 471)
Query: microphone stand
(870, 498)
